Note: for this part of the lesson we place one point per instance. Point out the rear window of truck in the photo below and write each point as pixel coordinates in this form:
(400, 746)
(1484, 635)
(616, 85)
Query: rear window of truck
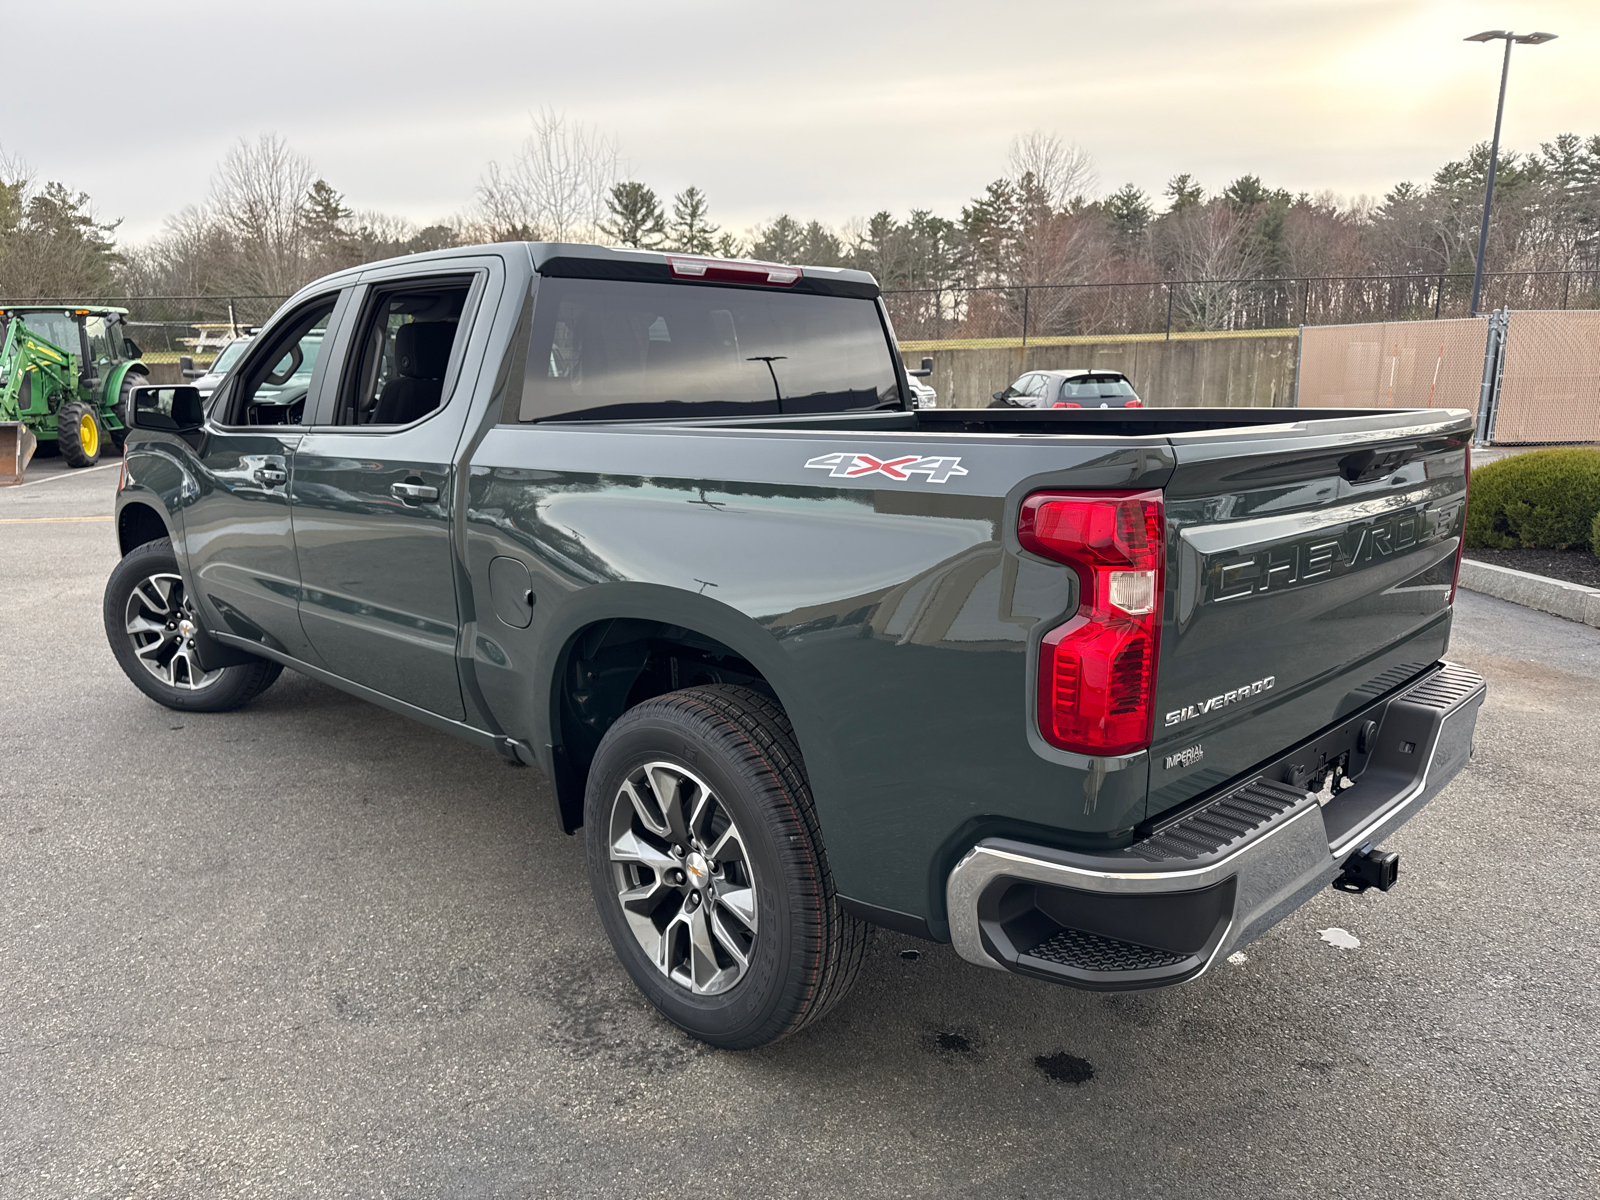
(606, 349)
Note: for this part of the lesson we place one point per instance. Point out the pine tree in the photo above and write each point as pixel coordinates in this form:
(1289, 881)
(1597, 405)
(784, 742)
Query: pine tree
(1184, 192)
(782, 241)
(689, 229)
(636, 216)
(1129, 212)
(325, 214)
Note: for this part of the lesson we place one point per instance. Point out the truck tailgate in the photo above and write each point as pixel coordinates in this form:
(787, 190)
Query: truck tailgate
(1309, 571)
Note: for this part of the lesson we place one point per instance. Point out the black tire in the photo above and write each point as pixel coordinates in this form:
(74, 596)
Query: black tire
(805, 950)
(124, 406)
(79, 433)
(153, 568)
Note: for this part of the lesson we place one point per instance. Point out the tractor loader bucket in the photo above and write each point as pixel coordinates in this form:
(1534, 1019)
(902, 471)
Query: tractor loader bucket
(17, 445)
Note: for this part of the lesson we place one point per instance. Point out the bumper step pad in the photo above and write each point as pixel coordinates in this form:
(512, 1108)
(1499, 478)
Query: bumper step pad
(1219, 824)
(1091, 952)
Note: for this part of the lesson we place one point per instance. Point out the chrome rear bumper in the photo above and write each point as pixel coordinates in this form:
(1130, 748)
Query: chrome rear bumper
(1220, 873)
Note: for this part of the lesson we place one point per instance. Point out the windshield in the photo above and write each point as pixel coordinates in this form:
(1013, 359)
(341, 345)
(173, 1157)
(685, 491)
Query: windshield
(230, 355)
(57, 328)
(605, 348)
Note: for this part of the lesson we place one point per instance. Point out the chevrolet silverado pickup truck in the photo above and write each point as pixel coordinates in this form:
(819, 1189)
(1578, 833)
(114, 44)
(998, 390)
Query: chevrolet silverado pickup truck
(1099, 696)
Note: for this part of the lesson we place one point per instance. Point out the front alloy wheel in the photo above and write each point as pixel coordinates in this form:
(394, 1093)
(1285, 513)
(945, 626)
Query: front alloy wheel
(683, 878)
(152, 627)
(161, 624)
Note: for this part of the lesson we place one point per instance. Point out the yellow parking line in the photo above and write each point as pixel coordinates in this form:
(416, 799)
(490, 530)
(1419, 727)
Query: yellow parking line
(45, 520)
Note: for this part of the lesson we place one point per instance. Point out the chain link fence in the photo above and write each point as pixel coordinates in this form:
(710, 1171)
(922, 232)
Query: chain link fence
(1548, 386)
(1393, 364)
(979, 317)
(1527, 377)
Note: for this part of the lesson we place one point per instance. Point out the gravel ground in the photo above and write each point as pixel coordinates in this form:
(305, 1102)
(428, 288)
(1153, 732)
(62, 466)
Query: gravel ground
(312, 950)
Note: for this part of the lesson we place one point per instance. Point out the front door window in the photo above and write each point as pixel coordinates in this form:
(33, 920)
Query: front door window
(272, 387)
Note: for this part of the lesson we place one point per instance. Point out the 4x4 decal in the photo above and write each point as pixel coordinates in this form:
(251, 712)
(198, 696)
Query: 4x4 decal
(853, 466)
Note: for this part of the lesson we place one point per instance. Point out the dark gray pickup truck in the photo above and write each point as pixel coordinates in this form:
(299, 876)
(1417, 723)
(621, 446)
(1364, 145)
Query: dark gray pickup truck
(1098, 696)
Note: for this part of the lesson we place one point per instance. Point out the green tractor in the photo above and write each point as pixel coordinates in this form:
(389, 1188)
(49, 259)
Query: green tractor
(66, 374)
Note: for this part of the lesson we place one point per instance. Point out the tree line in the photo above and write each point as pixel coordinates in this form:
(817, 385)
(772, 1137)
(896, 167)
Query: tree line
(271, 222)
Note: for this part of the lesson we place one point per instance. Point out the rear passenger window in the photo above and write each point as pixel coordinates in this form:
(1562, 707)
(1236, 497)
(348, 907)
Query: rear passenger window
(405, 343)
(608, 349)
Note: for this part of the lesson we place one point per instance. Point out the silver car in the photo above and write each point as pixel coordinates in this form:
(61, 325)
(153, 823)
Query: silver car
(226, 357)
(1069, 389)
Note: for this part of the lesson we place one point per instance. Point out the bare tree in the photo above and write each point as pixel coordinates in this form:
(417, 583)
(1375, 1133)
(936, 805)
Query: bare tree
(1059, 170)
(258, 197)
(1211, 245)
(554, 188)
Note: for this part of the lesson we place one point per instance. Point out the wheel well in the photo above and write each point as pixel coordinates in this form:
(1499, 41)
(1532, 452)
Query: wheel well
(138, 524)
(609, 667)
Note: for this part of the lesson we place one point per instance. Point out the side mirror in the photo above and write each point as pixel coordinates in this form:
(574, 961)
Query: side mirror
(1005, 395)
(186, 367)
(168, 409)
(131, 348)
(927, 369)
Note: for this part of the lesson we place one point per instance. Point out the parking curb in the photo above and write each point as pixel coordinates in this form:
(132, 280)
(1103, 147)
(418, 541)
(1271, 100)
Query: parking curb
(1570, 600)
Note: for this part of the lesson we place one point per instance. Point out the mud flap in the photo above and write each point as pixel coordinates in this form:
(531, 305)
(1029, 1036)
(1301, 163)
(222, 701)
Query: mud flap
(17, 444)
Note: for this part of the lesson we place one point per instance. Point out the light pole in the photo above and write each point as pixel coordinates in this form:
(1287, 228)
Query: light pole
(1493, 35)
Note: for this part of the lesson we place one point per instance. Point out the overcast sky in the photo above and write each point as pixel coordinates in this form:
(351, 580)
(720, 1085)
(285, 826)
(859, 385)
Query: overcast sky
(823, 109)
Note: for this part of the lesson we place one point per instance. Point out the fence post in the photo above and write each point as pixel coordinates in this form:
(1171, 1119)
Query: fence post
(1493, 371)
(1438, 298)
(1566, 287)
(1299, 357)
(233, 321)
(1169, 312)
(1025, 291)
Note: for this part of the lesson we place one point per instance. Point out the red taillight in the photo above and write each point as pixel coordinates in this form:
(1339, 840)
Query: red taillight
(1097, 673)
(1065, 404)
(727, 270)
(1134, 404)
(1461, 542)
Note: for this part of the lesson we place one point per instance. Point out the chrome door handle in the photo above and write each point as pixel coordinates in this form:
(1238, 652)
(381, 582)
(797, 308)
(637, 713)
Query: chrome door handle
(413, 491)
(271, 475)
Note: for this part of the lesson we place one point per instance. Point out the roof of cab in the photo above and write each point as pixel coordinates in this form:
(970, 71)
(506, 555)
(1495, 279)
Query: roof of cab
(580, 260)
(6, 308)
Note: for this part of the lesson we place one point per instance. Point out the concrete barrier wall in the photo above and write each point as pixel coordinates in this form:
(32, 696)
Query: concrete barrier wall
(1211, 371)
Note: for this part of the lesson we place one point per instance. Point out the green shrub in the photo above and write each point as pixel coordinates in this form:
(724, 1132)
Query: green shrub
(1542, 500)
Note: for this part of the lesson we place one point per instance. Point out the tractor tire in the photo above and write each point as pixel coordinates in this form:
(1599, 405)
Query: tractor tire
(79, 433)
(145, 614)
(124, 406)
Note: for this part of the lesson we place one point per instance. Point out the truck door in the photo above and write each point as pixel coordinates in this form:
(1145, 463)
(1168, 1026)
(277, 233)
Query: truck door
(372, 498)
(240, 547)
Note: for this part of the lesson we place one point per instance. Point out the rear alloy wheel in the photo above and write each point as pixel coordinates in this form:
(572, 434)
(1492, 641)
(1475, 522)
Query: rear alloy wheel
(707, 866)
(152, 626)
(78, 433)
(682, 877)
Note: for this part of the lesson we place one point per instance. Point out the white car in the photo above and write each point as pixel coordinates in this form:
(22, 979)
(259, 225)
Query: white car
(922, 395)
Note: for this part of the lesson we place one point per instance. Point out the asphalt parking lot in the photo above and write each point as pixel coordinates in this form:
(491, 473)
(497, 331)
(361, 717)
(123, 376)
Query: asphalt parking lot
(311, 949)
